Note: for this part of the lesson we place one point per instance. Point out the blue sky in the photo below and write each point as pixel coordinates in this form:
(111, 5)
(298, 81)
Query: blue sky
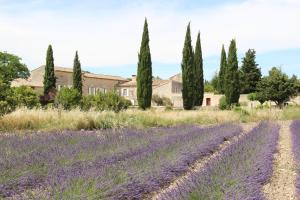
(107, 33)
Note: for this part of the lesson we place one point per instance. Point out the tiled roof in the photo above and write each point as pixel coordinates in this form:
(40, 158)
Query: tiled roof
(19, 82)
(154, 83)
(89, 75)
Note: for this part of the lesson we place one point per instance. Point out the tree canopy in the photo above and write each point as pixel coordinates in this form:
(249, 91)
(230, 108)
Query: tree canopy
(77, 78)
(49, 76)
(250, 73)
(277, 87)
(144, 72)
(222, 72)
(12, 68)
(232, 83)
(187, 66)
(198, 74)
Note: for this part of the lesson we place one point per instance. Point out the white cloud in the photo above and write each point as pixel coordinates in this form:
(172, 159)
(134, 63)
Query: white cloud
(113, 37)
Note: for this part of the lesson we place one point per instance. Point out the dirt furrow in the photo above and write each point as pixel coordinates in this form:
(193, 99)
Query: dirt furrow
(282, 183)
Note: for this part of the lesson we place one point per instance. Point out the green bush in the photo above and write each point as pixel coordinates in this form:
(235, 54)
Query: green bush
(223, 104)
(68, 98)
(25, 96)
(105, 101)
(7, 102)
(161, 101)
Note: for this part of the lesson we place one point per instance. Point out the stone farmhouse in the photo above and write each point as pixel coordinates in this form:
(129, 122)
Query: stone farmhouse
(93, 83)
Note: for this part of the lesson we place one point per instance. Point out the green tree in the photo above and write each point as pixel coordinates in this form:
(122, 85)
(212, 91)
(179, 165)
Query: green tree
(250, 73)
(187, 66)
(232, 85)
(198, 74)
(277, 87)
(222, 72)
(12, 68)
(215, 82)
(144, 72)
(25, 96)
(77, 78)
(68, 98)
(49, 77)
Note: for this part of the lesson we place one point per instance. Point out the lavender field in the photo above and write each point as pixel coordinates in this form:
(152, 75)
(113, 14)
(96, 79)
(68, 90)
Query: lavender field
(123, 164)
(295, 129)
(238, 173)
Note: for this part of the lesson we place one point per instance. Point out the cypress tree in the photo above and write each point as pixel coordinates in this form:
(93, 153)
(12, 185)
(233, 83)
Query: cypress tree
(250, 73)
(223, 63)
(144, 72)
(77, 78)
(49, 76)
(232, 85)
(187, 67)
(198, 74)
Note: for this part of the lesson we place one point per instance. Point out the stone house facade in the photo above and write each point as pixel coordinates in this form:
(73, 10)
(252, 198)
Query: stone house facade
(170, 88)
(92, 83)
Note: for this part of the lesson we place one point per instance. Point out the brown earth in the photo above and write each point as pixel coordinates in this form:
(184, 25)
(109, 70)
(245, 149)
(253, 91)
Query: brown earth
(282, 183)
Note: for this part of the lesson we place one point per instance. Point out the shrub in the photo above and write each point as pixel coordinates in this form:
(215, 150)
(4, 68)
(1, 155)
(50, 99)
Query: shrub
(25, 96)
(105, 101)
(223, 104)
(161, 101)
(68, 98)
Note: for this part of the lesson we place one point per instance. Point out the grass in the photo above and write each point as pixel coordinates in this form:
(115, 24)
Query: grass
(57, 120)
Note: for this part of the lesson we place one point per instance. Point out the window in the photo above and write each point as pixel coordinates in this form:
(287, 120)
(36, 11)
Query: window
(58, 87)
(124, 93)
(91, 90)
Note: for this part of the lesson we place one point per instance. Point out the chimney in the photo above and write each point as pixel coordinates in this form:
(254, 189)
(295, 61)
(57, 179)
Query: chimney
(133, 77)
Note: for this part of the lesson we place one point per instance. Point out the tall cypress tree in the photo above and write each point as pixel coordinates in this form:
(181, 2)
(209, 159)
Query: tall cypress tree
(222, 72)
(77, 78)
(198, 74)
(187, 67)
(250, 73)
(49, 76)
(232, 85)
(144, 72)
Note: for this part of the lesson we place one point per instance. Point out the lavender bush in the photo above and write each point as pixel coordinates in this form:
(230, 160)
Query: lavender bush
(295, 129)
(238, 173)
(123, 164)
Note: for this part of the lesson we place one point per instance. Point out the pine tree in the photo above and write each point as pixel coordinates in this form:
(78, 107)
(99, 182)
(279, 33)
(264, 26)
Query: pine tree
(187, 67)
(250, 73)
(198, 74)
(232, 85)
(144, 73)
(49, 77)
(222, 72)
(77, 78)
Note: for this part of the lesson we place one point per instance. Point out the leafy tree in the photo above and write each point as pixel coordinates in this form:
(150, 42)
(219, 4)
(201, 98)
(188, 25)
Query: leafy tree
(49, 77)
(208, 87)
(144, 73)
(12, 68)
(198, 74)
(77, 78)
(250, 73)
(215, 82)
(277, 87)
(232, 85)
(188, 72)
(222, 72)
(68, 98)
(7, 103)
(25, 96)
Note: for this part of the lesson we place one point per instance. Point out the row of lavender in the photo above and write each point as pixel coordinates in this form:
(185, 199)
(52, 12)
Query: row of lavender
(295, 129)
(125, 164)
(238, 173)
